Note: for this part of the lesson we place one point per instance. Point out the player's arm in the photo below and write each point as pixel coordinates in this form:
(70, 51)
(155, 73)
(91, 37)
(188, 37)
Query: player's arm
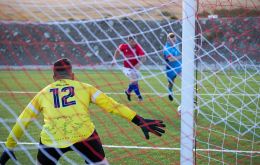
(110, 105)
(141, 60)
(174, 58)
(172, 54)
(116, 54)
(30, 112)
(141, 57)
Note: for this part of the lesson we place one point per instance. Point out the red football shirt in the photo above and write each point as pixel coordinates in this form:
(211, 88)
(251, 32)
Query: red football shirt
(131, 54)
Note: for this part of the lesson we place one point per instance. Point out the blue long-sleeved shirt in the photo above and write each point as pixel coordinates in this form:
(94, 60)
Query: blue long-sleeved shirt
(170, 50)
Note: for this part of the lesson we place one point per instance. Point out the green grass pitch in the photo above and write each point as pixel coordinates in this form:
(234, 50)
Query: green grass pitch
(116, 131)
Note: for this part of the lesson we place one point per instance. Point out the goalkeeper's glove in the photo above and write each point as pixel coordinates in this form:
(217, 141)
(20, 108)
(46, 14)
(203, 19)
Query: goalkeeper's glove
(149, 125)
(6, 155)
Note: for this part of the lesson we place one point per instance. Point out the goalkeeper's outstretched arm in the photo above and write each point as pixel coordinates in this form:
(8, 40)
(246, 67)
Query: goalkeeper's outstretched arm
(110, 105)
(29, 113)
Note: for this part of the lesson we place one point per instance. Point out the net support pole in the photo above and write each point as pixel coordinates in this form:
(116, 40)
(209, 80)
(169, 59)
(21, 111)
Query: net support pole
(187, 89)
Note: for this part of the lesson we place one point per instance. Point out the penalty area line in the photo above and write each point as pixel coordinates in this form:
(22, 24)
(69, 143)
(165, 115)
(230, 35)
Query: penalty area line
(158, 148)
(145, 93)
(112, 146)
(109, 93)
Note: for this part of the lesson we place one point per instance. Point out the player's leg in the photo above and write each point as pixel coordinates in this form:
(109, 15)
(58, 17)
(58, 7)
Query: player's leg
(133, 86)
(49, 155)
(170, 92)
(170, 77)
(91, 150)
(135, 76)
(137, 91)
(127, 72)
(129, 90)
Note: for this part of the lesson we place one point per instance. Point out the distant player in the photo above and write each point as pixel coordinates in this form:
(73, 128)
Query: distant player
(133, 57)
(172, 57)
(67, 124)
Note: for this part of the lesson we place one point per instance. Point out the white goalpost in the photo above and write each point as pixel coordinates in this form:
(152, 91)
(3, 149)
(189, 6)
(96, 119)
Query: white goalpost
(187, 89)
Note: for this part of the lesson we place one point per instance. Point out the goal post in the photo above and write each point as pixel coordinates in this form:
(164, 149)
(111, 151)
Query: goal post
(187, 93)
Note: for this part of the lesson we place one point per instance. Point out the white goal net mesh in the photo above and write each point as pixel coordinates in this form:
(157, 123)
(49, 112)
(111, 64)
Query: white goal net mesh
(33, 34)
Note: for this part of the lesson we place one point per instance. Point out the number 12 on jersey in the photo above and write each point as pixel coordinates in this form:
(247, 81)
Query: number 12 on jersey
(64, 99)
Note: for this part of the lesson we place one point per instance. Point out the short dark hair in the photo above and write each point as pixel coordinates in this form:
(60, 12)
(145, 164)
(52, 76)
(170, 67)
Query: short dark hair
(131, 37)
(171, 35)
(62, 67)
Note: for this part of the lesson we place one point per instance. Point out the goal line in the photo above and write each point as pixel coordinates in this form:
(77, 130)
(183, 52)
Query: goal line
(158, 148)
(145, 93)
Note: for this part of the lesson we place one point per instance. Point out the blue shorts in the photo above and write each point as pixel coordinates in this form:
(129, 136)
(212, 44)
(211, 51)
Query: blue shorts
(172, 74)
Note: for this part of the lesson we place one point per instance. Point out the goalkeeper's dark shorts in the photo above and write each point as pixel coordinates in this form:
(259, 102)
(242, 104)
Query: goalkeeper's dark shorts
(90, 149)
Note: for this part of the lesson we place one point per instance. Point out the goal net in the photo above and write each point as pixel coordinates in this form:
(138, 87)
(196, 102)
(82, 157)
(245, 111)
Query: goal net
(226, 130)
(227, 78)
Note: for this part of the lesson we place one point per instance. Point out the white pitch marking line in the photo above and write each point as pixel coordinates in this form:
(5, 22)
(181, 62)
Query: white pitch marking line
(17, 92)
(109, 93)
(156, 94)
(159, 148)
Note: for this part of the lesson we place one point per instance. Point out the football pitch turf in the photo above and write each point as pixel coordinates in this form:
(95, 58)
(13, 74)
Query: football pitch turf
(123, 142)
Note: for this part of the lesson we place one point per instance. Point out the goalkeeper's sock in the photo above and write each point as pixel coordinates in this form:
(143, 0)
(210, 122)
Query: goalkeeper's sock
(170, 96)
(170, 91)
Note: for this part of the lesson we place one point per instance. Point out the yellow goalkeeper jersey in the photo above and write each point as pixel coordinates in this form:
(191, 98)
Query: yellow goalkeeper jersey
(65, 105)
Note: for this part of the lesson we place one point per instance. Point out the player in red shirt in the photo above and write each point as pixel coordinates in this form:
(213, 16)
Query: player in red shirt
(133, 57)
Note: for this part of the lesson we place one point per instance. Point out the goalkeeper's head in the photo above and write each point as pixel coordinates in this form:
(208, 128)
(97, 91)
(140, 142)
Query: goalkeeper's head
(62, 69)
(171, 38)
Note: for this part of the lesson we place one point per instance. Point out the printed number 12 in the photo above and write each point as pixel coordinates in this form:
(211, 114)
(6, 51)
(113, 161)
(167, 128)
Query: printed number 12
(64, 99)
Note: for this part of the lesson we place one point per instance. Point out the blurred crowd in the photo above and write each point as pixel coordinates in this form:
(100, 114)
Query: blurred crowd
(93, 43)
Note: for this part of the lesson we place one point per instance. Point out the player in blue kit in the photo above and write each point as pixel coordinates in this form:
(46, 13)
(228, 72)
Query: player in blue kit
(172, 56)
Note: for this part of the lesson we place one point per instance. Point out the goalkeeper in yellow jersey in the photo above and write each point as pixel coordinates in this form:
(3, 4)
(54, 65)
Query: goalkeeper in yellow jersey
(67, 124)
